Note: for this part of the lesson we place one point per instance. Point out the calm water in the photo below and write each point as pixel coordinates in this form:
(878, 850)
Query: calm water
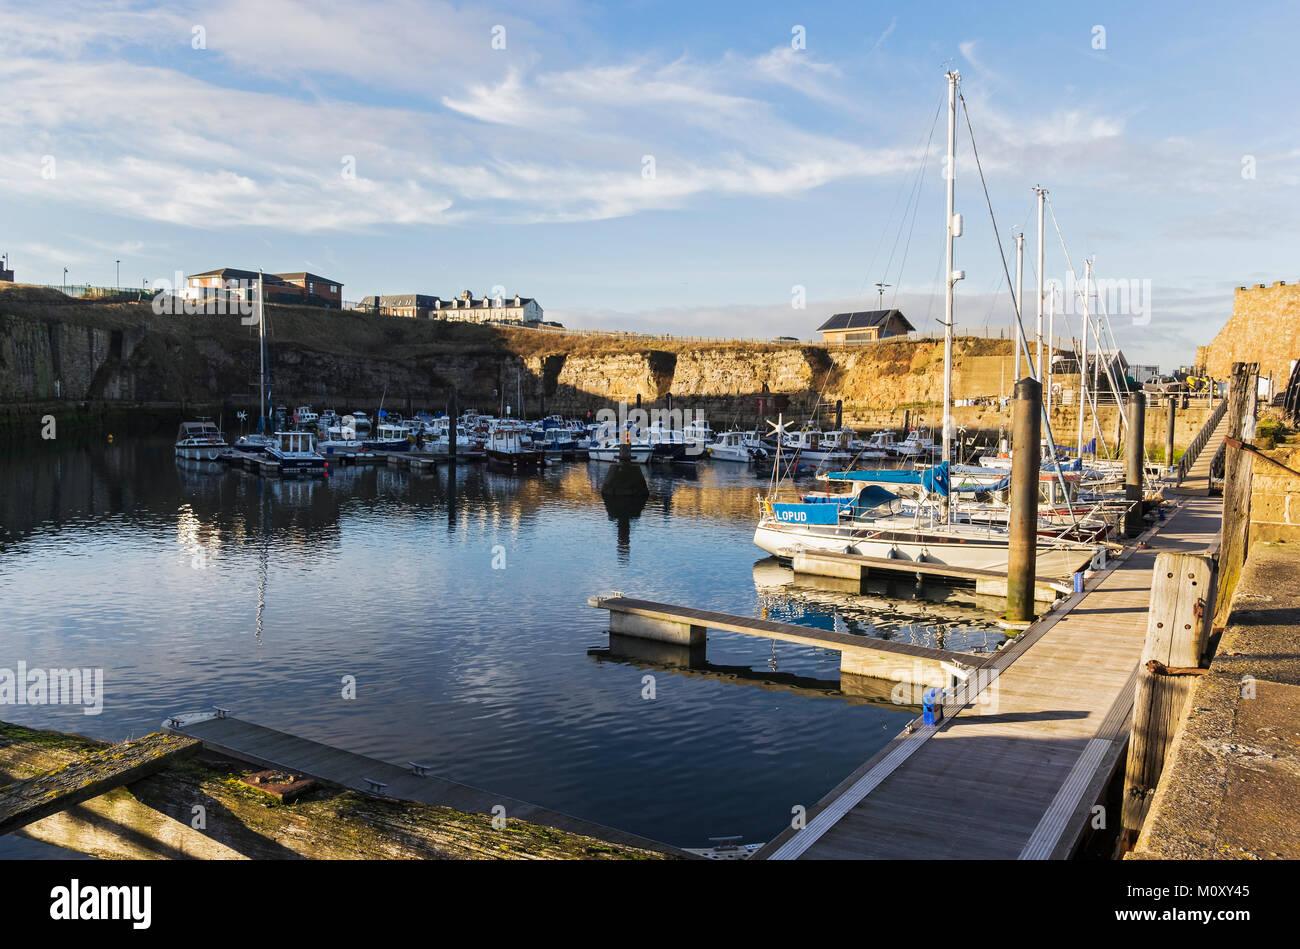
(197, 585)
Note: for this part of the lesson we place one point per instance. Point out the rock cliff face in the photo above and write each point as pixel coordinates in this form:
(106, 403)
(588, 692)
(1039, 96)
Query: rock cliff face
(125, 353)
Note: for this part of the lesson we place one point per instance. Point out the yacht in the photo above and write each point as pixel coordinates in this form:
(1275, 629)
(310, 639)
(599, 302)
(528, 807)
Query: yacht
(200, 441)
(869, 518)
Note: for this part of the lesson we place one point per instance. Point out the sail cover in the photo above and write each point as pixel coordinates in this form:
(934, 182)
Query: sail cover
(934, 480)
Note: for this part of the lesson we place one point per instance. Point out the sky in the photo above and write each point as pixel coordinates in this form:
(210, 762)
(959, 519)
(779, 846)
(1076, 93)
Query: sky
(711, 169)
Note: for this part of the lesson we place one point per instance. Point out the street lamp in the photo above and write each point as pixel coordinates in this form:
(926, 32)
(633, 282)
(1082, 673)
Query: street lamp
(118, 284)
(65, 280)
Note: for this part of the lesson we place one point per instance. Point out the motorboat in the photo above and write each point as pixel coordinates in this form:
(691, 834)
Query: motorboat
(390, 436)
(730, 446)
(305, 418)
(200, 441)
(296, 453)
(509, 444)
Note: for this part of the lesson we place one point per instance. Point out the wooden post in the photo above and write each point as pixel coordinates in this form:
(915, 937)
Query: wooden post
(1236, 481)
(1026, 430)
(1169, 434)
(1178, 625)
(452, 413)
(1133, 452)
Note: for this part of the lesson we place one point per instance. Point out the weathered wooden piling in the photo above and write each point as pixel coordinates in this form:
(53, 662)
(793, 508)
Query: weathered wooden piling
(1133, 463)
(1243, 392)
(1026, 430)
(1178, 626)
(1169, 433)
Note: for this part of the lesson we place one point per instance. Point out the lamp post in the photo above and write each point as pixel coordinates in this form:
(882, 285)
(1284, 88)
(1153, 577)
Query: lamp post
(117, 284)
(880, 289)
(65, 280)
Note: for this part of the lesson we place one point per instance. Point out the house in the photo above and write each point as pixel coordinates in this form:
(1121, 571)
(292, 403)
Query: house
(486, 309)
(419, 306)
(864, 326)
(316, 287)
(300, 289)
(464, 308)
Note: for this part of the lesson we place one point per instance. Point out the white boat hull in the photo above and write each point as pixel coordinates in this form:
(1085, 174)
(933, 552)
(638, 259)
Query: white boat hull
(198, 452)
(784, 540)
(640, 454)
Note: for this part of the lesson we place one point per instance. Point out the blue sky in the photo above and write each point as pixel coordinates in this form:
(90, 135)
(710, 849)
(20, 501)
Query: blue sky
(774, 167)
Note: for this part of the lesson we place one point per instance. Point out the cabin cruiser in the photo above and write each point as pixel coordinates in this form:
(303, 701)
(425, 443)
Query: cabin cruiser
(730, 446)
(200, 441)
(359, 421)
(305, 418)
(556, 441)
(685, 446)
(390, 436)
(509, 444)
(816, 448)
(296, 453)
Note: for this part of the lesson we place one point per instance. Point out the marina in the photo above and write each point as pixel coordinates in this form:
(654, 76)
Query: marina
(639, 435)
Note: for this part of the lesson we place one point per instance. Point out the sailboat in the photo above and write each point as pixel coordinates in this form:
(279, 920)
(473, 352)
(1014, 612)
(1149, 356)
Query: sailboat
(870, 518)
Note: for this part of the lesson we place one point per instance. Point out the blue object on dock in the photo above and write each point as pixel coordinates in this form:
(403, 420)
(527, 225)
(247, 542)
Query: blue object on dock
(1078, 581)
(932, 706)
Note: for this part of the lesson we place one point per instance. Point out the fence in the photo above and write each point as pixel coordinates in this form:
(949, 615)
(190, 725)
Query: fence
(986, 332)
(86, 291)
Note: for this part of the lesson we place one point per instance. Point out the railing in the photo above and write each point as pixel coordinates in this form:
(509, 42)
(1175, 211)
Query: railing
(85, 291)
(1198, 443)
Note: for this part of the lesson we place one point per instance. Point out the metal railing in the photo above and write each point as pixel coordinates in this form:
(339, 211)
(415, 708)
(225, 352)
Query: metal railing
(1198, 443)
(86, 291)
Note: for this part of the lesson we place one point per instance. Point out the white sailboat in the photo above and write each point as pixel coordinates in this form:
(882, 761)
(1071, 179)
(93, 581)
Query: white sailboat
(869, 518)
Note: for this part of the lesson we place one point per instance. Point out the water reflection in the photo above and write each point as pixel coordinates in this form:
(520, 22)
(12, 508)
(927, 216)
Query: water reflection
(195, 584)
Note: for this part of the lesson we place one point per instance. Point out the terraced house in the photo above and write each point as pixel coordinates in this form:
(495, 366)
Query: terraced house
(466, 307)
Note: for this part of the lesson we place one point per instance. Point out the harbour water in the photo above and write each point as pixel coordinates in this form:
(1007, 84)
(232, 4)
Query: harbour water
(459, 607)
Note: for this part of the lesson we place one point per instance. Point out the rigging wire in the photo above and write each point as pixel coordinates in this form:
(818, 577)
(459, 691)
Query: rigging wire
(1029, 359)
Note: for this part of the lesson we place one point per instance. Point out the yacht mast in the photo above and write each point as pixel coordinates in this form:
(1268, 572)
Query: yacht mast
(951, 276)
(1020, 301)
(1038, 357)
(1051, 335)
(261, 355)
(1083, 360)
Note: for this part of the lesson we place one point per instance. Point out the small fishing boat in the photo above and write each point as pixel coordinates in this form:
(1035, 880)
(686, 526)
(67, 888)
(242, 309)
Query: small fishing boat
(730, 446)
(200, 441)
(391, 436)
(305, 418)
(510, 445)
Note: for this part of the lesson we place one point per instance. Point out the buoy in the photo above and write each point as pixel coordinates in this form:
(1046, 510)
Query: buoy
(110, 439)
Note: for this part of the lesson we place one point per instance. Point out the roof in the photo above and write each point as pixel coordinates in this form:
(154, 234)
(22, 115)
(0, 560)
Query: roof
(234, 273)
(863, 319)
(304, 275)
